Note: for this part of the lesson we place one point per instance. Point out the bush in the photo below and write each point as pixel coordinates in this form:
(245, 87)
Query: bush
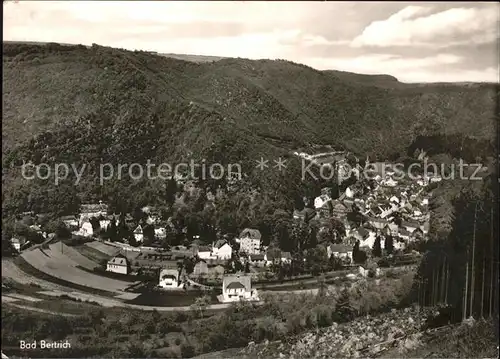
(187, 350)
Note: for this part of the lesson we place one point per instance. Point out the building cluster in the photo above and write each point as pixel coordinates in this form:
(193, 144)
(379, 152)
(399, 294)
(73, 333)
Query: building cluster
(385, 206)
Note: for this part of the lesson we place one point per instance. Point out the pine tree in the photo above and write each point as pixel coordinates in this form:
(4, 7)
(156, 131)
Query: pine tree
(389, 244)
(377, 249)
(355, 252)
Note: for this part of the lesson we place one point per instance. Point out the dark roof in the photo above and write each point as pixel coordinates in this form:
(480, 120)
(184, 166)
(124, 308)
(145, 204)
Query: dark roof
(250, 232)
(363, 232)
(93, 207)
(138, 229)
(410, 224)
(404, 232)
(220, 243)
(241, 281)
(235, 285)
(204, 249)
(68, 218)
(340, 248)
(256, 257)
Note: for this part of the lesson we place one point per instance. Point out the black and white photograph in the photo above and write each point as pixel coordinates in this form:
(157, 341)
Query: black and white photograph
(250, 179)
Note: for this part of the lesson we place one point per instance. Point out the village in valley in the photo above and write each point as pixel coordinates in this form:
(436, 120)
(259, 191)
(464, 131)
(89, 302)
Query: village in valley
(375, 223)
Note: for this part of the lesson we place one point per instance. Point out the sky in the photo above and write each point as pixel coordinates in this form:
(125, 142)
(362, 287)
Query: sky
(413, 41)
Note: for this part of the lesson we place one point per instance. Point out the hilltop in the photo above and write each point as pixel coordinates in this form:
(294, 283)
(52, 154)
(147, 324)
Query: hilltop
(90, 104)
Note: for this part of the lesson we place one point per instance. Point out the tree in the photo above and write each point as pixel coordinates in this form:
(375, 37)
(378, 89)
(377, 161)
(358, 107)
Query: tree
(355, 252)
(317, 260)
(377, 250)
(389, 244)
(149, 233)
(200, 304)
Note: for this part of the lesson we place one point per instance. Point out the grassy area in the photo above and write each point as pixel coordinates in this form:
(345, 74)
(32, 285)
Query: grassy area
(92, 254)
(29, 269)
(69, 306)
(171, 299)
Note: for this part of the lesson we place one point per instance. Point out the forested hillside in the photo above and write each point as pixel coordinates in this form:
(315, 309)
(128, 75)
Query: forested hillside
(94, 105)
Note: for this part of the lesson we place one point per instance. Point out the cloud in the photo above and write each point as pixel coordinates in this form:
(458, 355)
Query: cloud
(414, 26)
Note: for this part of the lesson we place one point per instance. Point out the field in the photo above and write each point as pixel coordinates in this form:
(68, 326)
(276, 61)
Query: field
(106, 249)
(63, 265)
(12, 271)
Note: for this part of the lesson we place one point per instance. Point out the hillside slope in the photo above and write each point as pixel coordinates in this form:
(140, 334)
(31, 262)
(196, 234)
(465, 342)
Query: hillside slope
(99, 104)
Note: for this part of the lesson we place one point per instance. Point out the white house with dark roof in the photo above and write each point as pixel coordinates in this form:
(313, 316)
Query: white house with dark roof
(222, 250)
(118, 264)
(236, 288)
(250, 241)
(204, 252)
(139, 234)
(257, 260)
(341, 251)
(169, 279)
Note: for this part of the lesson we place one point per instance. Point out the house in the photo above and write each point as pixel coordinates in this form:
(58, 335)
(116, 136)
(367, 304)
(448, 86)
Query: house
(94, 209)
(236, 288)
(88, 211)
(222, 250)
(417, 234)
(18, 242)
(404, 234)
(257, 260)
(169, 279)
(161, 232)
(321, 200)
(339, 209)
(86, 229)
(325, 211)
(304, 215)
(118, 264)
(378, 223)
(286, 257)
(104, 224)
(410, 226)
(387, 209)
(272, 256)
(70, 221)
(204, 252)
(391, 229)
(36, 228)
(349, 193)
(250, 241)
(340, 251)
(426, 226)
(138, 234)
(389, 183)
(366, 238)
